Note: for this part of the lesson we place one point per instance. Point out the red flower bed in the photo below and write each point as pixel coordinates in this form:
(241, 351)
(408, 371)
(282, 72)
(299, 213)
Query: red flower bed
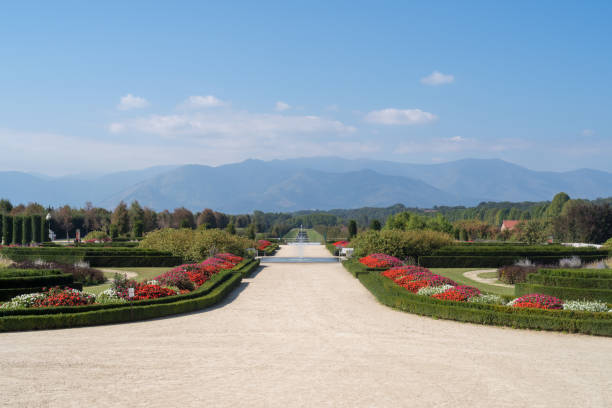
(538, 301)
(380, 261)
(341, 244)
(234, 259)
(263, 244)
(459, 293)
(450, 295)
(64, 297)
(152, 292)
(200, 272)
(414, 286)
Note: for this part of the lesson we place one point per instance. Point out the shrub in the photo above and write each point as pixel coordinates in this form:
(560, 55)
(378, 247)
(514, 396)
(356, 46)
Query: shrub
(400, 244)
(195, 245)
(96, 236)
(176, 277)
(79, 270)
(515, 273)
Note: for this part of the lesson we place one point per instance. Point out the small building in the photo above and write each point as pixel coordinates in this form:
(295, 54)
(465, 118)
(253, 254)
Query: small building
(509, 225)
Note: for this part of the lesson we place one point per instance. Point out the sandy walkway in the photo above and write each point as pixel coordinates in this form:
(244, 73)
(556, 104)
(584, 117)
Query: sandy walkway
(303, 335)
(473, 275)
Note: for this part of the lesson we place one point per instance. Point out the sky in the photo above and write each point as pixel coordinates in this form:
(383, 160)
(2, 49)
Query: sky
(96, 88)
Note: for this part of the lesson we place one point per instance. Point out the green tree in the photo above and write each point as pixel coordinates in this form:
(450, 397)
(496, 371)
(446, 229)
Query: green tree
(207, 218)
(5, 206)
(352, 227)
(556, 206)
(251, 231)
(375, 225)
(120, 219)
(231, 229)
(533, 231)
(136, 215)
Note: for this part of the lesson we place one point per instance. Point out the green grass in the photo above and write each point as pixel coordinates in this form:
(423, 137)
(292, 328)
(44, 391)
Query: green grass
(144, 274)
(292, 234)
(456, 274)
(314, 236)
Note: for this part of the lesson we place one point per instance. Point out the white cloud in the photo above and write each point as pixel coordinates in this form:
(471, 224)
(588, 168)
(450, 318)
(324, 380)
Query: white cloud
(391, 116)
(457, 139)
(282, 106)
(437, 78)
(207, 101)
(587, 132)
(130, 101)
(231, 123)
(459, 144)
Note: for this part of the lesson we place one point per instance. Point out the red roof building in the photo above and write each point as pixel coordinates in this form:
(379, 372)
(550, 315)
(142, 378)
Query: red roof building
(509, 225)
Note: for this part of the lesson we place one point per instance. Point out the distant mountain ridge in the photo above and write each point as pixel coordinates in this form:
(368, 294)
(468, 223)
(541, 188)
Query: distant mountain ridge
(308, 183)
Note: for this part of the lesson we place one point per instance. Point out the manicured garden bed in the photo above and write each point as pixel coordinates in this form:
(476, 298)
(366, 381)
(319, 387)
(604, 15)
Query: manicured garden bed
(156, 300)
(418, 290)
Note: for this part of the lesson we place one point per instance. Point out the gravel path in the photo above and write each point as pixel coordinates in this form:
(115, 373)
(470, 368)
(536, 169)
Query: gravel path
(303, 335)
(473, 275)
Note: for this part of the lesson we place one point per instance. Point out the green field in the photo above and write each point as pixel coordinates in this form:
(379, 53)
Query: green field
(314, 236)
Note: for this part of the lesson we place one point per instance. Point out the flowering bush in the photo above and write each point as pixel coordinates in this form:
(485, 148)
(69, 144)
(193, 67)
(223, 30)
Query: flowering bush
(536, 300)
(487, 299)
(450, 295)
(585, 306)
(433, 290)
(341, 244)
(152, 292)
(109, 296)
(186, 276)
(23, 301)
(64, 297)
(176, 277)
(234, 259)
(380, 261)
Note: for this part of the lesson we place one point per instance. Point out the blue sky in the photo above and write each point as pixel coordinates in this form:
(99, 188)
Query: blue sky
(123, 85)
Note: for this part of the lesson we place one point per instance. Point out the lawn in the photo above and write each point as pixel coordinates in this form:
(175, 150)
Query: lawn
(456, 274)
(144, 274)
(314, 236)
(292, 234)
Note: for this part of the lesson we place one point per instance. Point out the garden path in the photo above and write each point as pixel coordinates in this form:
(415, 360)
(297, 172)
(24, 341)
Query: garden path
(473, 275)
(303, 335)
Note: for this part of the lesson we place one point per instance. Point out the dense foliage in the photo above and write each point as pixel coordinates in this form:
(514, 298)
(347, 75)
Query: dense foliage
(400, 244)
(195, 245)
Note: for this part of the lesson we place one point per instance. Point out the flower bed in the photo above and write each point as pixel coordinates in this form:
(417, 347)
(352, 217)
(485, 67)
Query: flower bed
(262, 244)
(182, 279)
(341, 244)
(380, 261)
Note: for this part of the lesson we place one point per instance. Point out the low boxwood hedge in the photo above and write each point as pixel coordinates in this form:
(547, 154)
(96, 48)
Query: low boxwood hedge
(578, 273)
(137, 261)
(495, 261)
(52, 279)
(517, 250)
(569, 282)
(8, 294)
(332, 248)
(390, 294)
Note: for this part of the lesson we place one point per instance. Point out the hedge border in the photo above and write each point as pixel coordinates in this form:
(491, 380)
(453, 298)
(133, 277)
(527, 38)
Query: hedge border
(602, 295)
(390, 294)
(492, 261)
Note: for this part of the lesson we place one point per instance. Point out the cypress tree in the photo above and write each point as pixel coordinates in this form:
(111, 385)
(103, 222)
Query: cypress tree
(36, 226)
(17, 229)
(7, 229)
(352, 228)
(44, 230)
(26, 226)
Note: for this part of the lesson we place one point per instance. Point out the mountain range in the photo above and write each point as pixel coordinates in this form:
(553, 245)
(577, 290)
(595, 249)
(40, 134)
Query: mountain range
(308, 183)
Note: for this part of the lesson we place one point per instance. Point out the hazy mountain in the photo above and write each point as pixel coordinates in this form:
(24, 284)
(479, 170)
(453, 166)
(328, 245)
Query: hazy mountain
(309, 183)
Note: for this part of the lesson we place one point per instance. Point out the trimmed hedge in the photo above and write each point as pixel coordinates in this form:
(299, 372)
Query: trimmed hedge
(271, 249)
(246, 267)
(570, 282)
(604, 295)
(36, 280)
(390, 294)
(8, 294)
(332, 248)
(519, 250)
(97, 257)
(578, 273)
(494, 261)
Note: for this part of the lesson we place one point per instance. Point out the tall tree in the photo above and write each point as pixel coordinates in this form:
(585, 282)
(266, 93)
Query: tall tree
(120, 220)
(63, 217)
(352, 228)
(207, 219)
(5, 206)
(183, 218)
(556, 206)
